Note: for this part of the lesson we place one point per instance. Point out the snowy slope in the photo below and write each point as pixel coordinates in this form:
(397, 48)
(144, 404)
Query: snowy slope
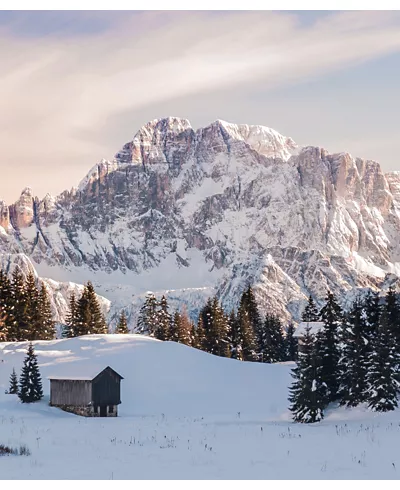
(184, 415)
(211, 210)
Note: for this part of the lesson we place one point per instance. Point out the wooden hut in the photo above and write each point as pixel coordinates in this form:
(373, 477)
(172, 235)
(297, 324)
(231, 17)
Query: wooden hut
(91, 394)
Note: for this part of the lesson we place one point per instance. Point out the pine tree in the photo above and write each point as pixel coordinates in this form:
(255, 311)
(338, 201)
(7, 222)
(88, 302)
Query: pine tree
(392, 315)
(243, 337)
(20, 329)
(206, 320)
(8, 325)
(372, 312)
(47, 327)
(235, 337)
(311, 313)
(218, 329)
(308, 392)
(122, 326)
(33, 313)
(13, 390)
(185, 328)
(383, 375)
(200, 335)
(89, 317)
(72, 330)
(331, 315)
(291, 343)
(163, 329)
(175, 327)
(30, 383)
(249, 303)
(355, 357)
(148, 317)
(272, 342)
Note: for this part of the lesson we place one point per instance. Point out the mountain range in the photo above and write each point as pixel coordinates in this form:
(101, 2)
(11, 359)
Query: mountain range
(192, 213)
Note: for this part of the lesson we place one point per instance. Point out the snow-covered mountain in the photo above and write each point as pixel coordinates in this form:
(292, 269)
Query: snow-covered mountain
(199, 212)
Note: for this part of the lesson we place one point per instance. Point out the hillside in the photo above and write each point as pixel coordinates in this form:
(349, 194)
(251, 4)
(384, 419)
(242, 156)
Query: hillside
(184, 414)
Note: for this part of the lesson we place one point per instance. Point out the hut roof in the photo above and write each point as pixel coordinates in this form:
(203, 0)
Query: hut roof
(81, 373)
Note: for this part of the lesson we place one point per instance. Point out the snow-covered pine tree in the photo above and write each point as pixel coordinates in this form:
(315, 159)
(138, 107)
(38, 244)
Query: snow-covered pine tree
(8, 324)
(47, 327)
(392, 315)
(13, 389)
(355, 357)
(206, 317)
(372, 312)
(272, 342)
(200, 335)
(163, 329)
(71, 328)
(30, 383)
(97, 322)
(122, 325)
(308, 391)
(383, 374)
(332, 316)
(218, 330)
(249, 303)
(291, 343)
(20, 329)
(235, 337)
(148, 316)
(311, 313)
(175, 327)
(243, 338)
(184, 328)
(33, 313)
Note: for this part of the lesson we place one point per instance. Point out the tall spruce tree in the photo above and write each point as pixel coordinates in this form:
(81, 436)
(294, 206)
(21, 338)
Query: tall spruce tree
(291, 343)
(248, 303)
(89, 317)
(30, 383)
(71, 328)
(272, 342)
(392, 315)
(148, 316)
(200, 335)
(163, 328)
(13, 389)
(32, 312)
(383, 374)
(372, 313)
(218, 330)
(20, 330)
(47, 327)
(122, 325)
(184, 328)
(311, 313)
(328, 338)
(8, 326)
(308, 391)
(243, 338)
(354, 363)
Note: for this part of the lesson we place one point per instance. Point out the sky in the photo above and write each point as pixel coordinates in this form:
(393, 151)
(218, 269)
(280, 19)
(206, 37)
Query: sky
(76, 86)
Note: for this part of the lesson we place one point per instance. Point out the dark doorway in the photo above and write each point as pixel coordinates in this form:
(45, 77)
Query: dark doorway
(103, 411)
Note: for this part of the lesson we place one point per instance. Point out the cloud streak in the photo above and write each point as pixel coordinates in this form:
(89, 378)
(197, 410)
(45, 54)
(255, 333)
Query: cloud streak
(58, 89)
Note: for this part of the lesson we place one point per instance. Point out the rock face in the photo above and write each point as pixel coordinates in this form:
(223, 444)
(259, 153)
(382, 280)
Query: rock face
(208, 211)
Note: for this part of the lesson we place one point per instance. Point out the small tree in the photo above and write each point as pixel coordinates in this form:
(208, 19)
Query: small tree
(122, 326)
(308, 392)
(13, 390)
(30, 382)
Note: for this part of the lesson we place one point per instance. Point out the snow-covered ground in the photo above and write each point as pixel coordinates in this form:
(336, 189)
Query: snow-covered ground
(184, 415)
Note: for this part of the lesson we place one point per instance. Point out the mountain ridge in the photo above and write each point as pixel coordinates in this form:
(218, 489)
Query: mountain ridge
(213, 209)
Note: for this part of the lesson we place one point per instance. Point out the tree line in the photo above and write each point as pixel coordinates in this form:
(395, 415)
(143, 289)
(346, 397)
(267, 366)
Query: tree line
(242, 335)
(353, 359)
(25, 308)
